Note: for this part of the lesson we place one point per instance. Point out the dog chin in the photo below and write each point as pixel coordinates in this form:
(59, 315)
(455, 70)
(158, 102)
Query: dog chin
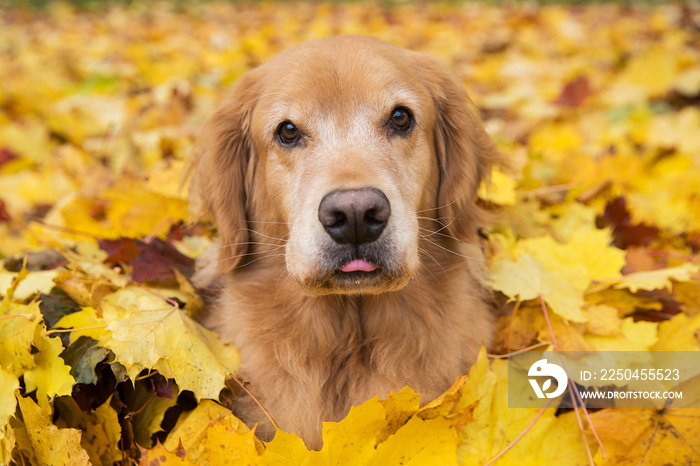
(335, 281)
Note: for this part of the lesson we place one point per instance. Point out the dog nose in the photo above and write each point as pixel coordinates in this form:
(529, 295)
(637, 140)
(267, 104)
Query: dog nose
(354, 215)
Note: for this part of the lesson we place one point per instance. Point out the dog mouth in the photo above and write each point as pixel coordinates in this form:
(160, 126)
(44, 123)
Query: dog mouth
(363, 274)
(358, 265)
(349, 269)
(357, 273)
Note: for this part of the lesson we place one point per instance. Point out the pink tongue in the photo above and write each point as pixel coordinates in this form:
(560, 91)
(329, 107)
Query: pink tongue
(358, 264)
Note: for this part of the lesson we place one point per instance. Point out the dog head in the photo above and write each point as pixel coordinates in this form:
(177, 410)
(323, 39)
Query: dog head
(342, 154)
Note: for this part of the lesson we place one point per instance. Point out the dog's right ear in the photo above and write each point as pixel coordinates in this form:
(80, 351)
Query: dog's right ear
(221, 171)
(465, 152)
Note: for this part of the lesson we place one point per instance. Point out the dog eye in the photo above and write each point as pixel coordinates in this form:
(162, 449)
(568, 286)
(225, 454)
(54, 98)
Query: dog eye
(288, 133)
(401, 119)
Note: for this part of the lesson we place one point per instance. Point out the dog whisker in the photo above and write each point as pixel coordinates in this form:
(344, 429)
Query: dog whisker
(252, 254)
(432, 233)
(266, 94)
(437, 221)
(431, 273)
(272, 223)
(264, 235)
(278, 286)
(444, 235)
(442, 206)
(425, 67)
(424, 251)
(450, 250)
(248, 243)
(254, 260)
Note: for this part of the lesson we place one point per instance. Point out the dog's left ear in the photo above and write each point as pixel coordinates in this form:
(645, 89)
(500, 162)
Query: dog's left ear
(221, 171)
(465, 152)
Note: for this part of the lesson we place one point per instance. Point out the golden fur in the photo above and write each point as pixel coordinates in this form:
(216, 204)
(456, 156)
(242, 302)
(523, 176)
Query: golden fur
(313, 344)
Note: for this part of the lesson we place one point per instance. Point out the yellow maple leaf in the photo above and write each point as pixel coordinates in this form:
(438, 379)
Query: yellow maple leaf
(500, 189)
(87, 257)
(285, 449)
(688, 294)
(419, 442)
(559, 272)
(7, 444)
(442, 405)
(666, 193)
(17, 334)
(680, 333)
(51, 377)
(109, 421)
(677, 130)
(389, 431)
(648, 436)
(552, 440)
(148, 421)
(527, 278)
(633, 336)
(655, 279)
(399, 408)
(145, 332)
(168, 181)
(85, 322)
(45, 185)
(603, 320)
(9, 384)
(100, 429)
(45, 442)
(569, 335)
(687, 82)
(130, 210)
(88, 279)
(228, 446)
(160, 455)
(352, 440)
(30, 139)
(136, 211)
(589, 249)
(193, 433)
(572, 218)
(82, 289)
(34, 283)
(556, 139)
(647, 74)
(622, 300)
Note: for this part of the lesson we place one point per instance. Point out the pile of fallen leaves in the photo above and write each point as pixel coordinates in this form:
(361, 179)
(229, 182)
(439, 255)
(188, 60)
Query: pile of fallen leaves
(101, 357)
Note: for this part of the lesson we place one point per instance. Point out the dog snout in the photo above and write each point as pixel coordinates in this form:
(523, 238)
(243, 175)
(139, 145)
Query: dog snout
(354, 215)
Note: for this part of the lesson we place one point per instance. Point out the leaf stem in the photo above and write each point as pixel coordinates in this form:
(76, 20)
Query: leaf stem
(547, 190)
(575, 389)
(510, 323)
(12, 316)
(68, 330)
(522, 434)
(71, 231)
(130, 415)
(677, 255)
(580, 423)
(158, 295)
(523, 350)
(257, 402)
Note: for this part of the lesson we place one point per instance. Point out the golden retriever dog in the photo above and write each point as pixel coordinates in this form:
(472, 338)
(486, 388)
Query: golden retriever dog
(342, 178)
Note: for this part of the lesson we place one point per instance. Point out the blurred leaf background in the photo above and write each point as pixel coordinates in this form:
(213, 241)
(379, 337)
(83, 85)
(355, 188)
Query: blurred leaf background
(596, 105)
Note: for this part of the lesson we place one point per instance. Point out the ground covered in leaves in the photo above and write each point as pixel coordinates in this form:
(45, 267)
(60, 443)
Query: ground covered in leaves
(595, 244)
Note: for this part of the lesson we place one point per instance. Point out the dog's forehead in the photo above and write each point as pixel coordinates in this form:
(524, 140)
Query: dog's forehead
(329, 75)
